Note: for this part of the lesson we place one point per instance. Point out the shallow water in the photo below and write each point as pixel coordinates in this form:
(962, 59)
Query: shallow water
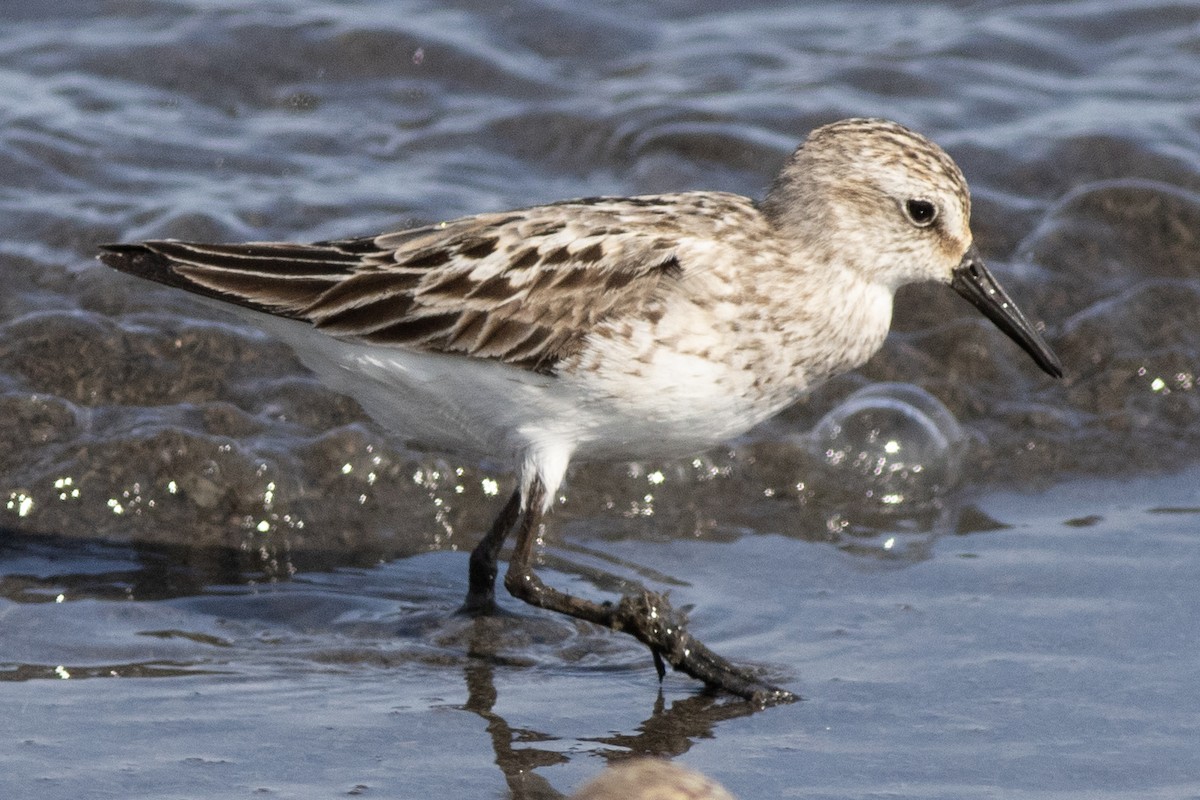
(219, 579)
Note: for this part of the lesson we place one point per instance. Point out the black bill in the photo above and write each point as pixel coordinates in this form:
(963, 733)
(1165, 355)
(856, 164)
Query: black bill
(973, 281)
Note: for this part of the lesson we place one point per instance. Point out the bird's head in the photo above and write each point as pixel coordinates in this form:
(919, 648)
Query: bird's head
(881, 199)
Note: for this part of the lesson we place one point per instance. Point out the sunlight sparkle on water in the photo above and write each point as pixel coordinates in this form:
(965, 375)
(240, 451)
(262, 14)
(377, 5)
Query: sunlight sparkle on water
(21, 503)
(67, 490)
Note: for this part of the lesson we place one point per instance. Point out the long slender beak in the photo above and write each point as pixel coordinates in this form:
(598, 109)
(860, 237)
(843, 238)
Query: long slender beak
(973, 281)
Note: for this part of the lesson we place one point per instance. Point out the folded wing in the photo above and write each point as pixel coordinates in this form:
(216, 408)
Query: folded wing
(524, 287)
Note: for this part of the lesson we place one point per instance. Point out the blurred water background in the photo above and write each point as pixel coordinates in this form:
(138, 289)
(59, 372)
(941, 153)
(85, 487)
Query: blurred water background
(219, 579)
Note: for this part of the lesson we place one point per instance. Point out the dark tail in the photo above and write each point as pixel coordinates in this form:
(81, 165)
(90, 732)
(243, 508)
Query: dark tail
(278, 279)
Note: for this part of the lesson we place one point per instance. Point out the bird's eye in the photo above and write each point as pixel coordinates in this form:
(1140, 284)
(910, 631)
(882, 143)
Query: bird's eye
(920, 212)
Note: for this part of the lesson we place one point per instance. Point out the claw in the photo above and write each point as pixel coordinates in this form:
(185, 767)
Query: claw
(659, 665)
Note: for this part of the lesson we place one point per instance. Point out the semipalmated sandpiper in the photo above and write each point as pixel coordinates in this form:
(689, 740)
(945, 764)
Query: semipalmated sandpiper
(614, 328)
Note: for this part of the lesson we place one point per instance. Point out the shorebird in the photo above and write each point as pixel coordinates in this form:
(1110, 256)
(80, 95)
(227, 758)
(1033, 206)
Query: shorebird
(618, 328)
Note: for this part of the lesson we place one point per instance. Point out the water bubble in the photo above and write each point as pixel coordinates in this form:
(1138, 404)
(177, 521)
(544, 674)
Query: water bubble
(892, 444)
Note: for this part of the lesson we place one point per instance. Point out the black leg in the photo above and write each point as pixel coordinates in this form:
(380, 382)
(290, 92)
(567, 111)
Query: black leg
(481, 589)
(647, 616)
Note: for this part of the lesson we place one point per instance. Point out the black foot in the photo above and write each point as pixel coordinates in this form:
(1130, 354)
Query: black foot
(481, 591)
(646, 616)
(652, 620)
(479, 606)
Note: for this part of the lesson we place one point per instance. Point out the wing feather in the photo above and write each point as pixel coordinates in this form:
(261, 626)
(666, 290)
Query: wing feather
(524, 287)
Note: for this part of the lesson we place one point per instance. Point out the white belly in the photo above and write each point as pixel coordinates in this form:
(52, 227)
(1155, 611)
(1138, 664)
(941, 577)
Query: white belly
(676, 405)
